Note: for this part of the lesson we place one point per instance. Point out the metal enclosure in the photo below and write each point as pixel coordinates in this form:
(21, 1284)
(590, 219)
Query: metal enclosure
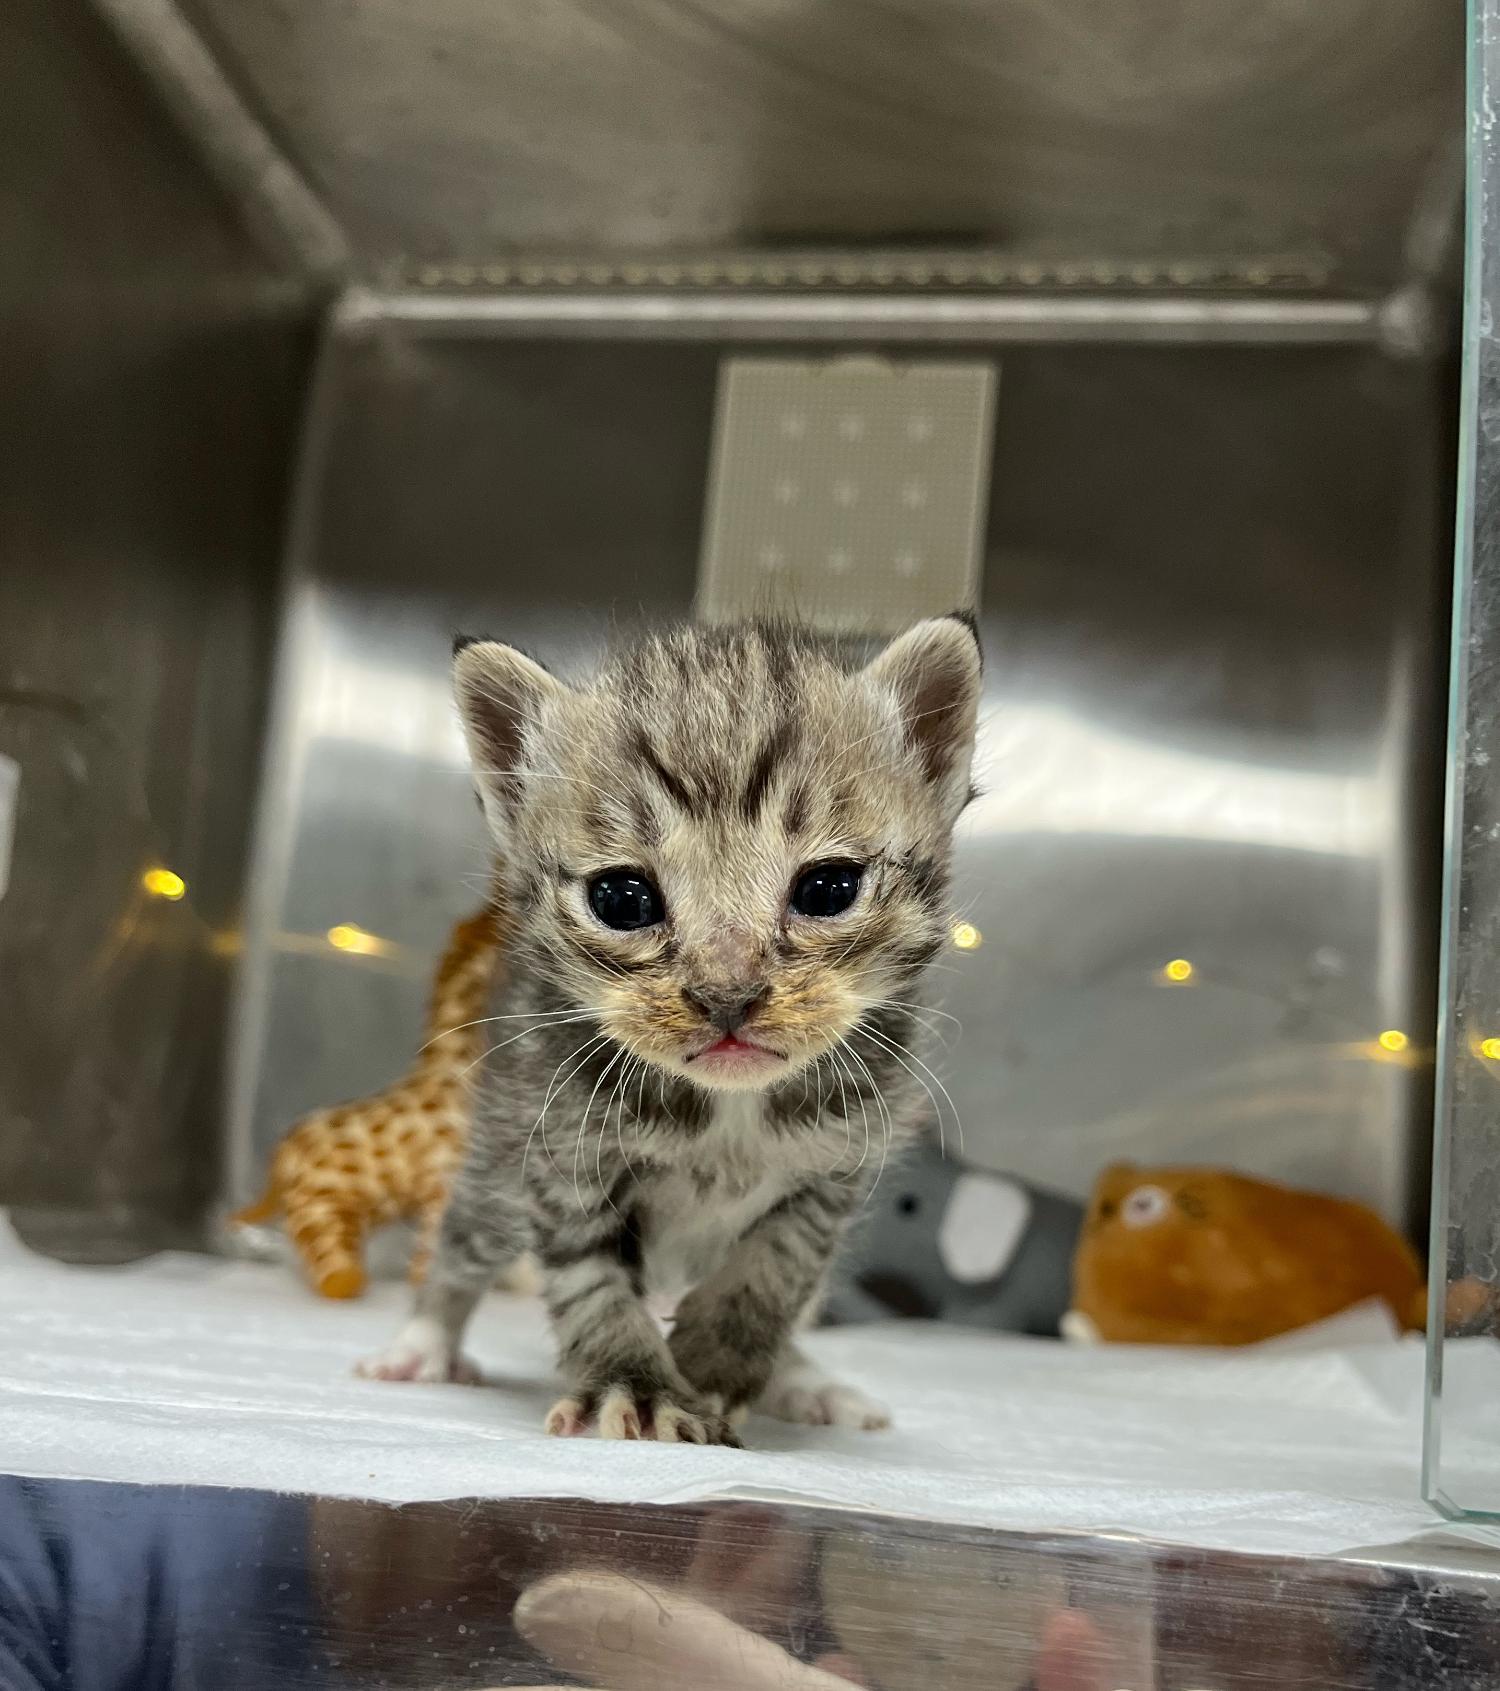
(1208, 248)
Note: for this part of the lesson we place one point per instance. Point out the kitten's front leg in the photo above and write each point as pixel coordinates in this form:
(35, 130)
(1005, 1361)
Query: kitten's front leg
(619, 1370)
(731, 1330)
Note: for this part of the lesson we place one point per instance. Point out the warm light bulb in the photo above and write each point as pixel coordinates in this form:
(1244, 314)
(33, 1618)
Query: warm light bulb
(164, 883)
(966, 936)
(1179, 970)
(1490, 1048)
(1393, 1040)
(347, 937)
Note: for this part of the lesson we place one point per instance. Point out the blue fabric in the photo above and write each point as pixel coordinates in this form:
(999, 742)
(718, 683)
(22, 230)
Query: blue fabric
(150, 1588)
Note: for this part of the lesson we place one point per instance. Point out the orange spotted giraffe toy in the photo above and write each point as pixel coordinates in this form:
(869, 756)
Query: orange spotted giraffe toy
(340, 1172)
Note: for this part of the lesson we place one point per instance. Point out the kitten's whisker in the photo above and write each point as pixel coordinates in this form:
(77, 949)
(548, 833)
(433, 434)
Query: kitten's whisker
(840, 1068)
(884, 1116)
(918, 1014)
(582, 1053)
(552, 1016)
(901, 1053)
(604, 1123)
(932, 1099)
(578, 1149)
(483, 1055)
(640, 1103)
(630, 1068)
(912, 1009)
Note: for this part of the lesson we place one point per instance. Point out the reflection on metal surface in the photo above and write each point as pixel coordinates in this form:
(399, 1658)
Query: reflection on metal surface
(153, 361)
(345, 936)
(1463, 1386)
(1053, 771)
(164, 883)
(984, 320)
(1161, 137)
(966, 937)
(751, 1595)
(1394, 1040)
(1179, 971)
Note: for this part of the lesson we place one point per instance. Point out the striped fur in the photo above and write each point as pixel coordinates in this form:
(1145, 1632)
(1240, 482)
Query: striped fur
(720, 763)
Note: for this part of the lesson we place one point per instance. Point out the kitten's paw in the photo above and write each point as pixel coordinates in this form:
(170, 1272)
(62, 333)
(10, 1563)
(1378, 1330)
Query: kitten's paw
(567, 1418)
(420, 1352)
(701, 1424)
(619, 1413)
(809, 1397)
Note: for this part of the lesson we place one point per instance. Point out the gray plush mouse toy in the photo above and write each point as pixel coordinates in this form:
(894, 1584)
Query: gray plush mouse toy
(948, 1242)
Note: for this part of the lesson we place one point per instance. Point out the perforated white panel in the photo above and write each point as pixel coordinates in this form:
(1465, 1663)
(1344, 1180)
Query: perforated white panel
(849, 493)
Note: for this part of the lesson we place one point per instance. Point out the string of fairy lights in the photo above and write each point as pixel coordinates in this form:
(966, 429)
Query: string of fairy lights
(349, 938)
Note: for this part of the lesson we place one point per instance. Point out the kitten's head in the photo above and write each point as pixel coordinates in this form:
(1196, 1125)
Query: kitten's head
(729, 846)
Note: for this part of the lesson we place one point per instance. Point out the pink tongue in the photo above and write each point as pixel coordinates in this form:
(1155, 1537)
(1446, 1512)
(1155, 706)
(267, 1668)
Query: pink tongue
(728, 1043)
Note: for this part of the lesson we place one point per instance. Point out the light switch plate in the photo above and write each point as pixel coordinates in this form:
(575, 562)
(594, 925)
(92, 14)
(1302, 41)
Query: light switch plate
(849, 493)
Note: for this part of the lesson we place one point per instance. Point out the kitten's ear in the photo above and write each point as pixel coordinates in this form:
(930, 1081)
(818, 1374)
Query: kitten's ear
(934, 669)
(500, 693)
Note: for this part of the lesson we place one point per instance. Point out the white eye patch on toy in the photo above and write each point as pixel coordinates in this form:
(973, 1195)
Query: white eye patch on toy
(1145, 1206)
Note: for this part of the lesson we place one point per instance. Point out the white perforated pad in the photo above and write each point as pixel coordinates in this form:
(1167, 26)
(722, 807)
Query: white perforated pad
(849, 493)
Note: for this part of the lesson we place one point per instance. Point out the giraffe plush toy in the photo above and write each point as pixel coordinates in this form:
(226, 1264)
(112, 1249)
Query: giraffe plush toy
(340, 1172)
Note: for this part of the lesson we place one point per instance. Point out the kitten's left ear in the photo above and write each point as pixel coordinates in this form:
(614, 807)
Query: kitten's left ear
(934, 671)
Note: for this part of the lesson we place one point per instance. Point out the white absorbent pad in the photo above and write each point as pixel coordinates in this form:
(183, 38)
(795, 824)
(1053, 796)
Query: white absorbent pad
(199, 1371)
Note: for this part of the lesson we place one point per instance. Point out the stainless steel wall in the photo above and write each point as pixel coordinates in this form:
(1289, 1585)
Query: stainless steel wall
(1210, 599)
(1206, 247)
(152, 368)
(1176, 135)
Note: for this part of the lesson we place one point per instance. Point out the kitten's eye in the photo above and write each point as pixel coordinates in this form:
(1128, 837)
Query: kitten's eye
(620, 898)
(826, 890)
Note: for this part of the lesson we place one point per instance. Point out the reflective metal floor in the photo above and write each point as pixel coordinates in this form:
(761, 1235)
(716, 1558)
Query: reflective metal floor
(245, 1590)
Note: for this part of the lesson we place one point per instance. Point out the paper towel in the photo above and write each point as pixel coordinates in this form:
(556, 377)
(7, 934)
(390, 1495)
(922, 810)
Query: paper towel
(200, 1371)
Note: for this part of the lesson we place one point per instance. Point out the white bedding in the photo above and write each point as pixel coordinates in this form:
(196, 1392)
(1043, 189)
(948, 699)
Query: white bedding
(189, 1369)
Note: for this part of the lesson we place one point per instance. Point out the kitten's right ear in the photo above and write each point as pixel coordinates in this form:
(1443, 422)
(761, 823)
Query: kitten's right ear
(501, 694)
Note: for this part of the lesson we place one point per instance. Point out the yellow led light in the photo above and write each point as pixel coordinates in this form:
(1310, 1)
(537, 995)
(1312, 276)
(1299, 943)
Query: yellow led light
(1179, 969)
(966, 936)
(1490, 1048)
(164, 883)
(1393, 1040)
(347, 937)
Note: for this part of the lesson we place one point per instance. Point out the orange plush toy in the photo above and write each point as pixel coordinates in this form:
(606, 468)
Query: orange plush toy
(1184, 1256)
(340, 1172)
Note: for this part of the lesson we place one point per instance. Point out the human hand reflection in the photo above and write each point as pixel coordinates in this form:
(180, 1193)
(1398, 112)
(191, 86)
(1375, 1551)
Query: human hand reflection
(615, 1633)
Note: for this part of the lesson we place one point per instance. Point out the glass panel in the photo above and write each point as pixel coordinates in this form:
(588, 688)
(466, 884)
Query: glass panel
(1463, 1407)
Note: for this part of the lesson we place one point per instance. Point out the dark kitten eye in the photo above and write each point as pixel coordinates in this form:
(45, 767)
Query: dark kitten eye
(826, 890)
(620, 898)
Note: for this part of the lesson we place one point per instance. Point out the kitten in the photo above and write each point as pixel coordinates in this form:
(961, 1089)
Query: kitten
(727, 860)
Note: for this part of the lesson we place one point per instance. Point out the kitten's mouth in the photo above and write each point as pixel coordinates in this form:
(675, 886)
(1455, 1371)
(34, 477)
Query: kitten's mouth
(733, 1055)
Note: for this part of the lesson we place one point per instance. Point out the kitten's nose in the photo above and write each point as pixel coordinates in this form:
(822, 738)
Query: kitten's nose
(727, 1006)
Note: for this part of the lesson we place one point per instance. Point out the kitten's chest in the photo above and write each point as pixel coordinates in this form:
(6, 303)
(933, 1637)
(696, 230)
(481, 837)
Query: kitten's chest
(693, 1211)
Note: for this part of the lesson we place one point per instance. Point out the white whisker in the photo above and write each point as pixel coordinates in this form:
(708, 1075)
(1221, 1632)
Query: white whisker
(582, 1126)
(582, 1053)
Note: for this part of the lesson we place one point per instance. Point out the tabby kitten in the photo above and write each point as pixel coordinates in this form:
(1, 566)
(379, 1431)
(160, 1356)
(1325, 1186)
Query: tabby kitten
(727, 858)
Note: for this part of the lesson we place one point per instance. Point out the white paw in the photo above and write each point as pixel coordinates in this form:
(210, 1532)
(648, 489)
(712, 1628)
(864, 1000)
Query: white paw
(810, 1398)
(423, 1353)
